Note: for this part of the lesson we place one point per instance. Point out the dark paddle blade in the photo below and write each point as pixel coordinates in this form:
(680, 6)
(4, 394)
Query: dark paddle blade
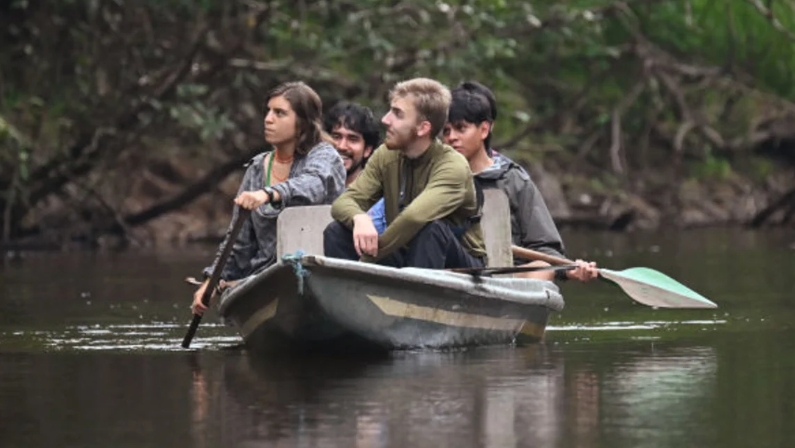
(194, 325)
(215, 277)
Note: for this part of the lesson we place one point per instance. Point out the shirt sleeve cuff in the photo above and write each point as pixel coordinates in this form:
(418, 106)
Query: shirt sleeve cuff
(283, 197)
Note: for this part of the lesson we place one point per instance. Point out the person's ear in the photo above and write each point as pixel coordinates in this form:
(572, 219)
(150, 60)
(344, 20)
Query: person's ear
(483, 129)
(424, 128)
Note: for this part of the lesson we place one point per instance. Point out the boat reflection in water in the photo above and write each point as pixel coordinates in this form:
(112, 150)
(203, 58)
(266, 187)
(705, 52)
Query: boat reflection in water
(496, 397)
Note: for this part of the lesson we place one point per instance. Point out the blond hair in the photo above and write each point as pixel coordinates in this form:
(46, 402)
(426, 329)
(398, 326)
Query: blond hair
(431, 99)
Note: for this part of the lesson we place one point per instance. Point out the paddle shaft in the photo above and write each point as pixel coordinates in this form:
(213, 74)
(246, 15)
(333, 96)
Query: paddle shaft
(529, 254)
(215, 277)
(509, 269)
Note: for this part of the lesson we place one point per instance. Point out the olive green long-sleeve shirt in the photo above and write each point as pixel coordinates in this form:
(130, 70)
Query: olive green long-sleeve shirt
(436, 185)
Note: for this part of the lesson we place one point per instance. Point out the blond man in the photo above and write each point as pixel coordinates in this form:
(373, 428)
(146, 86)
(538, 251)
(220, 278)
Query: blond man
(432, 208)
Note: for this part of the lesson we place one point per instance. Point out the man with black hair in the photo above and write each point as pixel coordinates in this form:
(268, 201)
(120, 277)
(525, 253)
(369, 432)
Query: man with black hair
(468, 130)
(476, 87)
(354, 132)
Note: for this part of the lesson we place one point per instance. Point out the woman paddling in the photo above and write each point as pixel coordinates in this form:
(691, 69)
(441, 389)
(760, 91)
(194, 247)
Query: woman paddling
(303, 169)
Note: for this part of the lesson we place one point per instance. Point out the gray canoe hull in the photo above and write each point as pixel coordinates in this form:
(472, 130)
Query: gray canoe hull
(316, 302)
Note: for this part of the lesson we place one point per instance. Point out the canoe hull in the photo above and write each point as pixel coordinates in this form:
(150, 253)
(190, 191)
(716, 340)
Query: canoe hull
(320, 303)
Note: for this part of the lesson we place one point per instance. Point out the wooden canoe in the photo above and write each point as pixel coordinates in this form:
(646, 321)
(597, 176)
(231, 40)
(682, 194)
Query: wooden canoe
(314, 302)
(318, 302)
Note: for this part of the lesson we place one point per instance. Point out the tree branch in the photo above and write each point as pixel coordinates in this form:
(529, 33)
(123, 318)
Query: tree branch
(574, 106)
(201, 186)
(80, 158)
(190, 193)
(115, 214)
(615, 133)
(787, 199)
(767, 12)
(125, 121)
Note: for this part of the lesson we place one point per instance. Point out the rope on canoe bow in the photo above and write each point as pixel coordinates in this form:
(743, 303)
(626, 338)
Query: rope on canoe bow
(300, 273)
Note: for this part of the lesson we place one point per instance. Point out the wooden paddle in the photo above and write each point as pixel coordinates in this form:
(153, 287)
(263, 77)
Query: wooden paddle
(644, 285)
(242, 215)
(488, 271)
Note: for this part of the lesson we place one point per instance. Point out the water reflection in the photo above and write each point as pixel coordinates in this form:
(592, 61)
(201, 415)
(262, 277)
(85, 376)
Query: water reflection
(492, 398)
(664, 398)
(585, 404)
(90, 358)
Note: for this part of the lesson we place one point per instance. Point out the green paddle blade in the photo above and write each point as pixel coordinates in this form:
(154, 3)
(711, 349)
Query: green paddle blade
(653, 288)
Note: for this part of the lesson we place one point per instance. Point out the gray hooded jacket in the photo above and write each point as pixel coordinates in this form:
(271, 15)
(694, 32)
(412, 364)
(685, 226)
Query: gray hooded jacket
(532, 226)
(315, 179)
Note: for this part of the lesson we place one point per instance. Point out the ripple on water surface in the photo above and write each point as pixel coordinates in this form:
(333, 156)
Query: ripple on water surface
(167, 336)
(154, 336)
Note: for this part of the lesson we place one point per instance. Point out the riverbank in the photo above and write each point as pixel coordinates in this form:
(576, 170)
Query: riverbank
(656, 199)
(666, 198)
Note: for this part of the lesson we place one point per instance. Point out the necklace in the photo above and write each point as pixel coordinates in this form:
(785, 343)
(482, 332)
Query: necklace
(270, 169)
(286, 160)
(280, 179)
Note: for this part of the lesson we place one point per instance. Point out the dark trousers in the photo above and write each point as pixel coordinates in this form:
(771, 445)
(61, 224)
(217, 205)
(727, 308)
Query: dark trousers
(434, 247)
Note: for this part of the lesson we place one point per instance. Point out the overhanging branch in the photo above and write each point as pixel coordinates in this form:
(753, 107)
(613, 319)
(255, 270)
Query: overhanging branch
(767, 12)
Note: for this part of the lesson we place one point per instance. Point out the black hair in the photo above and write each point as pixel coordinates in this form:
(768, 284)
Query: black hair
(474, 86)
(472, 107)
(355, 117)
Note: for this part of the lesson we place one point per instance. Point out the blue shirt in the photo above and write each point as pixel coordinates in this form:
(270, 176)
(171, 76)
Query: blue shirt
(378, 214)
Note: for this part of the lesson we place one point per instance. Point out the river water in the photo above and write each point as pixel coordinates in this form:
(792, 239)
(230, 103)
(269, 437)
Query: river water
(89, 357)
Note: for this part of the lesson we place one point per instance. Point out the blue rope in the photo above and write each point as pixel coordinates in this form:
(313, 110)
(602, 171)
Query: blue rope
(298, 268)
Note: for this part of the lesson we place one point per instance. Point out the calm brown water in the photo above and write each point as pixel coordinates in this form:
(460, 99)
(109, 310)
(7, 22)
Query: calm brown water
(89, 358)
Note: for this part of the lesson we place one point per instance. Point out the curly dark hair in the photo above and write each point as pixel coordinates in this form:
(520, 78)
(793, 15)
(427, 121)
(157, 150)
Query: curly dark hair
(355, 117)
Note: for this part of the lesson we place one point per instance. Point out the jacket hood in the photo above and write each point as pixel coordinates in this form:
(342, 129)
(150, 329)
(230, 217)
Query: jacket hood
(500, 168)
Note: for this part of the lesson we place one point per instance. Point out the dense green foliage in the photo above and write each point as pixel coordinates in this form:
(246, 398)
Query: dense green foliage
(95, 93)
